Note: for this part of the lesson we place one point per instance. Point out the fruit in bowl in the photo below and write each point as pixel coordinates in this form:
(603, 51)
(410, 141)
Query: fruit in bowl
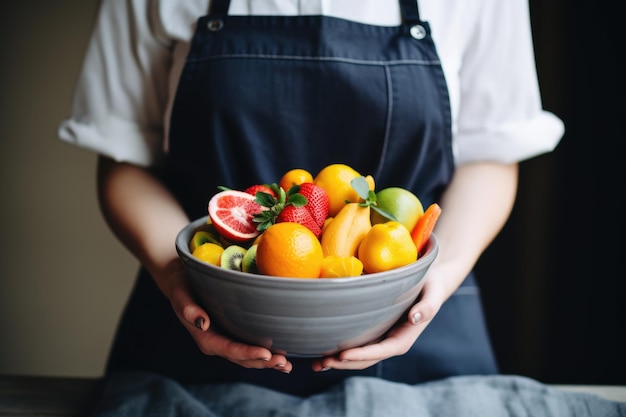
(303, 317)
(273, 267)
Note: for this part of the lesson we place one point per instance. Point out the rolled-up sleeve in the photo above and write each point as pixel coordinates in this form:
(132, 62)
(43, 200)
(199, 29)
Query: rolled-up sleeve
(121, 93)
(500, 111)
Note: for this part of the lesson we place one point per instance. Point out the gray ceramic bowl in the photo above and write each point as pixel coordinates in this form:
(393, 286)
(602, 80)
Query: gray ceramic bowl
(303, 317)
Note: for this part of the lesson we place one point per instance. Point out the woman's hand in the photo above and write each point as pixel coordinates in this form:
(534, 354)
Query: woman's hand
(198, 324)
(146, 218)
(400, 338)
(475, 206)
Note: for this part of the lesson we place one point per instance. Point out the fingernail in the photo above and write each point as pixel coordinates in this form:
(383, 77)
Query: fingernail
(417, 317)
(281, 367)
(328, 368)
(199, 323)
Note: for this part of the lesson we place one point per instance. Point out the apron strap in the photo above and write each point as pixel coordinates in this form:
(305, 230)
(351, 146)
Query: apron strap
(410, 12)
(219, 7)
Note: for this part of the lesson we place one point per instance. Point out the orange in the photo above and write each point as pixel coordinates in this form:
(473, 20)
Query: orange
(209, 252)
(387, 246)
(289, 250)
(293, 177)
(341, 266)
(336, 179)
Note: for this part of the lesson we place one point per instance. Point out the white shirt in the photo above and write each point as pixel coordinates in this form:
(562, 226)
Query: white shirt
(126, 87)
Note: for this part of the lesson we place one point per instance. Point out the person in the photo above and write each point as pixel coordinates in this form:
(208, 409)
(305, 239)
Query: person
(180, 97)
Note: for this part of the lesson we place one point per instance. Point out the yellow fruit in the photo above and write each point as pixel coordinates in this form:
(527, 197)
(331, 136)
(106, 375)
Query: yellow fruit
(326, 223)
(387, 246)
(344, 233)
(289, 250)
(335, 180)
(293, 177)
(209, 252)
(341, 266)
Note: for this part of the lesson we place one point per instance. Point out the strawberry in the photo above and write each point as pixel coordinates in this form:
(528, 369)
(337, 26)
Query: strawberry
(301, 215)
(317, 202)
(292, 206)
(274, 204)
(264, 188)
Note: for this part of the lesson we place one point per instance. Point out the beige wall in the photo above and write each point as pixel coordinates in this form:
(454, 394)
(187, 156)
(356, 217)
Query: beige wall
(63, 276)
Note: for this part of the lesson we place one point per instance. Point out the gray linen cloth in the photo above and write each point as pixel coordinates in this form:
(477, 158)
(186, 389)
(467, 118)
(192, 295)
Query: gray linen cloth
(143, 394)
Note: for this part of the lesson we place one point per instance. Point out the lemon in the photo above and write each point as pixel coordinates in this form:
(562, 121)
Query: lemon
(336, 179)
(209, 252)
(387, 246)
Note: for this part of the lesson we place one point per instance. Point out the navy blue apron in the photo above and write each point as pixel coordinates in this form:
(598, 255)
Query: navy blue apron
(260, 95)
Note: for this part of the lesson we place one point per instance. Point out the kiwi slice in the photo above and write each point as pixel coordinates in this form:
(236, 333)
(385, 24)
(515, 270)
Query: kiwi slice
(232, 257)
(201, 237)
(248, 263)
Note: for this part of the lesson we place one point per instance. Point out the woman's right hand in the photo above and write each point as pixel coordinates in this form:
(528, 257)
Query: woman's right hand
(146, 218)
(198, 324)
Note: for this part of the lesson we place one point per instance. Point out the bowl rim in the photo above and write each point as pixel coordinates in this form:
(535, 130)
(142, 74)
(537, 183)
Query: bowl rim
(182, 247)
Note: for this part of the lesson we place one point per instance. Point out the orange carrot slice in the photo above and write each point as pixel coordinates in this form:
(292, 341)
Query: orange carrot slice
(425, 225)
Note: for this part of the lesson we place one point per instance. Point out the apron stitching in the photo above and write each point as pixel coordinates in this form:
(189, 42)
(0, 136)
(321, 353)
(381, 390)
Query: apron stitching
(383, 151)
(309, 58)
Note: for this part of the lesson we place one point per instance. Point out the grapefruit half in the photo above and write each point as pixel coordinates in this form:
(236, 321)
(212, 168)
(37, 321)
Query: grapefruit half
(231, 213)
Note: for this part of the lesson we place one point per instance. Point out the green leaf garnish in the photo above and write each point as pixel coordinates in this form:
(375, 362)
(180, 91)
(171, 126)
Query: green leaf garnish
(264, 199)
(368, 196)
(362, 188)
(274, 205)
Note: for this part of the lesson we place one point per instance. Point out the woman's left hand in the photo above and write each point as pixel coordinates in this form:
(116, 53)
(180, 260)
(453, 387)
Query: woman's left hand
(475, 206)
(400, 338)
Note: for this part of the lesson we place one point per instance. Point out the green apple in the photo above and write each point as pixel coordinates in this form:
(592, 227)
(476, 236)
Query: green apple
(399, 202)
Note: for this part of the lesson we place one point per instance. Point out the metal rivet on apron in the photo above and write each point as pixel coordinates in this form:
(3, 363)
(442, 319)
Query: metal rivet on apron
(418, 32)
(215, 24)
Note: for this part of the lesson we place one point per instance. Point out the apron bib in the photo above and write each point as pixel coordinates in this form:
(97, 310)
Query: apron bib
(260, 95)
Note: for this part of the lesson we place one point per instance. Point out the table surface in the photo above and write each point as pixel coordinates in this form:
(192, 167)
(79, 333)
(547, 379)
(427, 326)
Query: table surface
(25, 396)
(32, 396)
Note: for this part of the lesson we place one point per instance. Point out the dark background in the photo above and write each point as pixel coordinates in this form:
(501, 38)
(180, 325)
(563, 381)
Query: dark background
(553, 281)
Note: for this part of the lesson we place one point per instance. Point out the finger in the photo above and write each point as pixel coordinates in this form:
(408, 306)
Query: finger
(427, 306)
(212, 343)
(187, 310)
(248, 356)
(276, 362)
(346, 365)
(285, 367)
(397, 342)
(195, 316)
